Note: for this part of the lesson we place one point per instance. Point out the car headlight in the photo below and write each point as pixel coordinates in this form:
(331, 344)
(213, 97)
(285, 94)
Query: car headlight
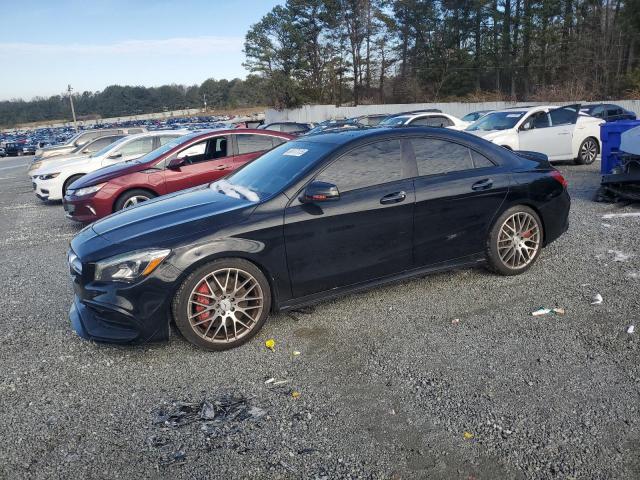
(86, 190)
(129, 267)
(48, 176)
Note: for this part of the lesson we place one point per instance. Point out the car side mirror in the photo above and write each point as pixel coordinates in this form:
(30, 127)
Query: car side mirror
(113, 156)
(319, 192)
(527, 126)
(176, 163)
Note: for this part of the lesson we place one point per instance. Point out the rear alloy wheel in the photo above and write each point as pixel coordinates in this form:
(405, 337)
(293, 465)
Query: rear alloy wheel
(515, 241)
(223, 304)
(588, 151)
(132, 198)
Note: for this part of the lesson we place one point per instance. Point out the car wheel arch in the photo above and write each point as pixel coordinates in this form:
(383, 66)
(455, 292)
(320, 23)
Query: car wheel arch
(70, 179)
(231, 255)
(129, 189)
(507, 205)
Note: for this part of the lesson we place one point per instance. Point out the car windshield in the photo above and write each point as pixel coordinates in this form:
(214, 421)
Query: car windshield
(272, 172)
(496, 121)
(394, 121)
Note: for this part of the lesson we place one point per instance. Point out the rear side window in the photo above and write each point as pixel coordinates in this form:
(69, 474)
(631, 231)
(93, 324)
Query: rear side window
(562, 116)
(439, 156)
(479, 160)
(365, 166)
(248, 143)
(164, 139)
(101, 143)
(432, 122)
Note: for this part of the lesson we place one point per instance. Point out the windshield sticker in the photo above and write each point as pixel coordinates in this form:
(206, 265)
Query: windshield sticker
(514, 115)
(295, 152)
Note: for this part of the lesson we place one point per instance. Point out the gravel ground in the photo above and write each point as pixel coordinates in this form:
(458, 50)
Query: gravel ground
(389, 385)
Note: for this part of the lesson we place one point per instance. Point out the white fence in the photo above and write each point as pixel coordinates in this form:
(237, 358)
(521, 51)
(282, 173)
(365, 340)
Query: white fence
(318, 113)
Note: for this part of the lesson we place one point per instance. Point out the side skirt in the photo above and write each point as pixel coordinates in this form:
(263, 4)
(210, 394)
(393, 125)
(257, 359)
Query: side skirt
(463, 262)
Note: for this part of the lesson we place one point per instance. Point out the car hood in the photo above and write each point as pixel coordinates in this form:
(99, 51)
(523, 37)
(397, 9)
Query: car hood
(56, 165)
(169, 217)
(488, 134)
(109, 172)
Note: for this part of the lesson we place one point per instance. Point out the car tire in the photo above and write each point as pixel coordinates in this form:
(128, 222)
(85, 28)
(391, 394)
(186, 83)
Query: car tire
(68, 182)
(588, 151)
(132, 197)
(515, 241)
(203, 318)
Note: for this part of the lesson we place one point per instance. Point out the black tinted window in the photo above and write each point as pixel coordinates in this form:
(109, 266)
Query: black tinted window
(562, 116)
(432, 122)
(372, 164)
(539, 120)
(439, 156)
(293, 128)
(479, 160)
(248, 143)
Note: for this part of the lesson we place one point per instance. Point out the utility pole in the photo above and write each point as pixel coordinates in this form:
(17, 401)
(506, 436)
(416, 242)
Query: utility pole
(73, 111)
(204, 98)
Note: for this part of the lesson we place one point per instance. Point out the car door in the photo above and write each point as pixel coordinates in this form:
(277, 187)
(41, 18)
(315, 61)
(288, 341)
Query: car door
(249, 146)
(130, 151)
(365, 234)
(203, 162)
(563, 125)
(537, 133)
(458, 193)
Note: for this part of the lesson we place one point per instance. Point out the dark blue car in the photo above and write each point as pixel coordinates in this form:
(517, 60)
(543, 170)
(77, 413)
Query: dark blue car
(313, 218)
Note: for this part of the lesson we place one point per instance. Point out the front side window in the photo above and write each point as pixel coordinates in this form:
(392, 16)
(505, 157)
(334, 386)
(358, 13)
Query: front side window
(435, 156)
(137, 148)
(250, 143)
(365, 166)
(562, 116)
(537, 120)
(211, 149)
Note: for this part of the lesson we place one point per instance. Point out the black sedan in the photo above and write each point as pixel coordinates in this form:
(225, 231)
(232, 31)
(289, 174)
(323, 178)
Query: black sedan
(312, 219)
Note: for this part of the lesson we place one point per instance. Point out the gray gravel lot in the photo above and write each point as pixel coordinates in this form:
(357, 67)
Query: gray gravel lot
(388, 384)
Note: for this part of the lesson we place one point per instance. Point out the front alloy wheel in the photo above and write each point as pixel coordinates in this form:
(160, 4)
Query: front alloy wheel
(223, 304)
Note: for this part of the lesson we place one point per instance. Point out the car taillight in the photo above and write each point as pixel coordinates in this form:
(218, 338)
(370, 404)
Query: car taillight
(558, 176)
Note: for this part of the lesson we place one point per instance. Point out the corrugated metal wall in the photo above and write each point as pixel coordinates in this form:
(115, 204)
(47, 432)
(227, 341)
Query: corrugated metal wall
(318, 113)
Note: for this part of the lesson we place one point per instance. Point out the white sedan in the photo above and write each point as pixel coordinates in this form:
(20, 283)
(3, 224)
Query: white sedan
(51, 181)
(425, 119)
(561, 133)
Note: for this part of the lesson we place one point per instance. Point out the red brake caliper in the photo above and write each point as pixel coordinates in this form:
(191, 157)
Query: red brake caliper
(205, 301)
(527, 234)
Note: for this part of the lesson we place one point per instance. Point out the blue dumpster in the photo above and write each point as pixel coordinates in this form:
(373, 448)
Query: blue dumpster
(610, 137)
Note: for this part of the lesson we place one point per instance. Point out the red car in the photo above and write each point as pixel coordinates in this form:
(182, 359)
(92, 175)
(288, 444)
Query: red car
(187, 161)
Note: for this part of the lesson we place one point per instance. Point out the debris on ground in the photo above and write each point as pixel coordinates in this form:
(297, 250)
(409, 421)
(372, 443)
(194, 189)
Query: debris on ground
(296, 353)
(174, 457)
(455, 321)
(270, 344)
(597, 299)
(295, 394)
(631, 329)
(544, 311)
(222, 409)
(467, 435)
(619, 256)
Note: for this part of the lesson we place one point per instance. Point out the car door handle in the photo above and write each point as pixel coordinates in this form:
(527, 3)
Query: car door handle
(393, 198)
(482, 184)
(221, 167)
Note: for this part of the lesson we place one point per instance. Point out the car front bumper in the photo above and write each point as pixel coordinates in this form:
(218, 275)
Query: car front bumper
(47, 190)
(124, 313)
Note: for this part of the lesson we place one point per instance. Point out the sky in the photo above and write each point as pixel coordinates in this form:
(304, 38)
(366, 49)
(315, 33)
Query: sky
(47, 44)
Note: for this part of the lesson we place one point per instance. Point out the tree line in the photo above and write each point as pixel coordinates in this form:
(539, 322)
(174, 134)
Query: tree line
(399, 51)
(116, 101)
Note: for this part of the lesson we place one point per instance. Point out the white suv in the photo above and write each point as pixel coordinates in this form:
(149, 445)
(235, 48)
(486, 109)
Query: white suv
(51, 181)
(561, 133)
